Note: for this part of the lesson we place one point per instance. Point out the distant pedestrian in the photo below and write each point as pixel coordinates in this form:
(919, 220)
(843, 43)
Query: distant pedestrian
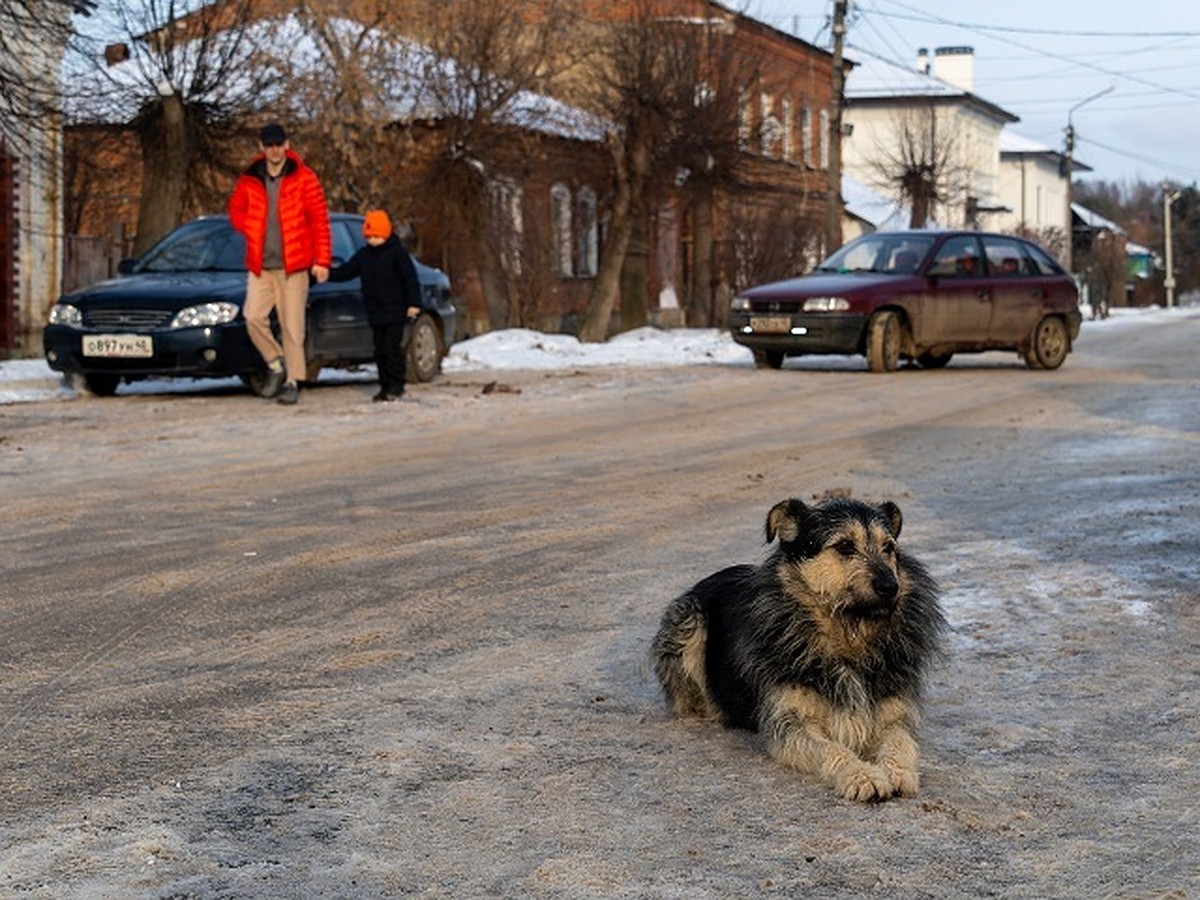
(279, 206)
(392, 296)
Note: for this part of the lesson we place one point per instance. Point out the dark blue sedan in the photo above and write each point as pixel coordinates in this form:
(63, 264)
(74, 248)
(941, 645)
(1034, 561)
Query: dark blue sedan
(177, 312)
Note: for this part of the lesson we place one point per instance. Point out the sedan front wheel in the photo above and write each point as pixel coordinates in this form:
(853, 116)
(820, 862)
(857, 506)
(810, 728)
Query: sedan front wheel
(883, 342)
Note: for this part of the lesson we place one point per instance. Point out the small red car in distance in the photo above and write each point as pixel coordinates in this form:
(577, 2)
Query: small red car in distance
(919, 295)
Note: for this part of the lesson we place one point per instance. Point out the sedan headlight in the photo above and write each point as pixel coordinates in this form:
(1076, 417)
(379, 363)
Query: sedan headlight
(740, 304)
(219, 313)
(826, 304)
(66, 314)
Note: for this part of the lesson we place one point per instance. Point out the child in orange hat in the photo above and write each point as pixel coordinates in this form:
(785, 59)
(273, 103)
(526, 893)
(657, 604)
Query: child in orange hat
(392, 296)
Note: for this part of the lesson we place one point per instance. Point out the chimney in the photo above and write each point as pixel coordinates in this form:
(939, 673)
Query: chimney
(956, 66)
(923, 61)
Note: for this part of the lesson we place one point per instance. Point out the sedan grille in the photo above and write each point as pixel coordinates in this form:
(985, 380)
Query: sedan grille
(127, 318)
(775, 306)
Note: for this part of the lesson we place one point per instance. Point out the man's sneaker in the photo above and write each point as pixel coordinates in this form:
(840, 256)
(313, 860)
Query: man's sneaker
(274, 379)
(384, 397)
(290, 394)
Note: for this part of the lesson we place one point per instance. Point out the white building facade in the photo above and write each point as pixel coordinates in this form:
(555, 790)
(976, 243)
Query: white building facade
(31, 190)
(888, 105)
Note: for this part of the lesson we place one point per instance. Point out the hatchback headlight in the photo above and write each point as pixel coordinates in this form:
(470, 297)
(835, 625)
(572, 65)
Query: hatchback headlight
(219, 313)
(740, 304)
(66, 314)
(826, 304)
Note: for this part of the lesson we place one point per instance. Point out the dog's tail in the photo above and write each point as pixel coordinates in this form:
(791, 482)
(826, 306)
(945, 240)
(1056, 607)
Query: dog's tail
(677, 655)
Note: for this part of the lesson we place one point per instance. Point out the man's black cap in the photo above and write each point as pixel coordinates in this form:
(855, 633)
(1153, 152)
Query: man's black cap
(272, 134)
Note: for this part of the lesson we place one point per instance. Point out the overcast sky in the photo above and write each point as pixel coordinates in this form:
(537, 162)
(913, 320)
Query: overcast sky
(1039, 58)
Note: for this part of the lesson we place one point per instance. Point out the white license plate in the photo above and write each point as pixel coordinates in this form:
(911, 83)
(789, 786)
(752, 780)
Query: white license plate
(771, 324)
(119, 346)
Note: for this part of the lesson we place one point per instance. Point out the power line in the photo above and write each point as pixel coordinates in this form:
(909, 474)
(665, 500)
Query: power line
(917, 16)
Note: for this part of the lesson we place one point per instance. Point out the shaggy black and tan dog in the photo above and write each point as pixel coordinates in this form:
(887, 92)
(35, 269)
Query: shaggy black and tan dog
(821, 648)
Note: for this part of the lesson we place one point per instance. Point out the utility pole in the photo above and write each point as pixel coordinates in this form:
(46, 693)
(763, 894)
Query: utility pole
(1169, 197)
(1068, 162)
(833, 190)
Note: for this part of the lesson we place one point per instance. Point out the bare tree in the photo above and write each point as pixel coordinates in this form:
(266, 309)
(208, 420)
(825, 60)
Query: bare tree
(671, 81)
(482, 83)
(341, 96)
(33, 36)
(705, 151)
(636, 87)
(919, 165)
(771, 244)
(1051, 239)
(182, 82)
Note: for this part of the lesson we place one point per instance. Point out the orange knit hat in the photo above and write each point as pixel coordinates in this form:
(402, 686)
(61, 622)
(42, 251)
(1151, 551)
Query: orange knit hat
(377, 224)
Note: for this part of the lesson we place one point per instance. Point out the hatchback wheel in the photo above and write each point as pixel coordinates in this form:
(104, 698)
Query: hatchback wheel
(883, 342)
(1049, 344)
(424, 349)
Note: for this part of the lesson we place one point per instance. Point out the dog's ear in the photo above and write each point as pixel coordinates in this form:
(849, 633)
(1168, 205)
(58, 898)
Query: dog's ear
(785, 520)
(893, 518)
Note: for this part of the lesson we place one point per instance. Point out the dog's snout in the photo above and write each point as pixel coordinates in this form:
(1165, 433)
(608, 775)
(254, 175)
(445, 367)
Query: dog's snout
(885, 585)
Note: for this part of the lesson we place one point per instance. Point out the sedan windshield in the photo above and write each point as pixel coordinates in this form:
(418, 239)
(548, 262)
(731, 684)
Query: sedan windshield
(897, 254)
(202, 246)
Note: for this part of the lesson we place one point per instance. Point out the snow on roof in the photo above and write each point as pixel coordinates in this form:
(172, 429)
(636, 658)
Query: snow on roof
(423, 85)
(1014, 144)
(869, 205)
(1011, 142)
(875, 78)
(1093, 219)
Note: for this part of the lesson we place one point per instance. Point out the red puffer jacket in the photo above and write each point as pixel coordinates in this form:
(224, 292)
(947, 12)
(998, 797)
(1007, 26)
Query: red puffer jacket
(303, 217)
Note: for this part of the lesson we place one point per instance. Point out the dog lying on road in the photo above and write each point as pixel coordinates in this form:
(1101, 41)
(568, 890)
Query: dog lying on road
(821, 648)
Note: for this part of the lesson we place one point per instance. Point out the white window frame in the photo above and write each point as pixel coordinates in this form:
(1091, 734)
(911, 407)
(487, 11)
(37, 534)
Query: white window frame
(507, 217)
(824, 138)
(806, 140)
(588, 233)
(561, 227)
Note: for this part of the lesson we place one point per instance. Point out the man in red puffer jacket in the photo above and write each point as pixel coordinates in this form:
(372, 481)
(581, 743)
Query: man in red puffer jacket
(279, 206)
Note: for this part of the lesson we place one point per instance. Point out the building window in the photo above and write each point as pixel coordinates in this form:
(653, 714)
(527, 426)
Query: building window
(785, 121)
(824, 138)
(509, 222)
(806, 140)
(560, 215)
(588, 234)
(770, 132)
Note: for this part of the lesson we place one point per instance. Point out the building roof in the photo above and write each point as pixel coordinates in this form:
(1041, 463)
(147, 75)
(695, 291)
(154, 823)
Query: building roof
(425, 87)
(1013, 145)
(869, 205)
(1094, 220)
(874, 79)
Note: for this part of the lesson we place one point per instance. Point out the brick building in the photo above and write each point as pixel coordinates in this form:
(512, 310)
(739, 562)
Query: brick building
(709, 228)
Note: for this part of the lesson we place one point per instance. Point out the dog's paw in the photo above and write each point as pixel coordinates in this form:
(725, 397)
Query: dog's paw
(866, 783)
(905, 782)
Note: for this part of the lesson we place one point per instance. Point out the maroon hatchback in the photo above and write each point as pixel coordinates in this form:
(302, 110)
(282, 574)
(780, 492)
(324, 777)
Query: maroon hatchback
(919, 295)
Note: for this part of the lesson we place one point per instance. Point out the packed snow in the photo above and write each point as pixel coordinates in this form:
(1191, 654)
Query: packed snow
(32, 380)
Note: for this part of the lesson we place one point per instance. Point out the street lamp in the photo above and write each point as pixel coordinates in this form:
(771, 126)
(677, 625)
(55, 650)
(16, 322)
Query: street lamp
(1169, 197)
(1068, 159)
